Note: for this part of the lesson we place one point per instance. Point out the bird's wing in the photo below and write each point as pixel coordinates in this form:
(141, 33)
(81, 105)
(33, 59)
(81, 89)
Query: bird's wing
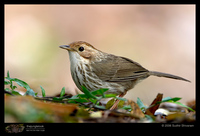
(118, 69)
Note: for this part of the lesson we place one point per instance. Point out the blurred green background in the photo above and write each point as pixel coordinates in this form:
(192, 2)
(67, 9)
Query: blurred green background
(159, 37)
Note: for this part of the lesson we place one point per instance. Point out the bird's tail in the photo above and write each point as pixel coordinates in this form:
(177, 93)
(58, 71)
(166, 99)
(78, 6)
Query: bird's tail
(160, 74)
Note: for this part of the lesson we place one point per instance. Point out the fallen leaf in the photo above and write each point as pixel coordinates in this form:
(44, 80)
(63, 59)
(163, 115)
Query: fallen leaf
(97, 114)
(135, 109)
(154, 105)
(28, 109)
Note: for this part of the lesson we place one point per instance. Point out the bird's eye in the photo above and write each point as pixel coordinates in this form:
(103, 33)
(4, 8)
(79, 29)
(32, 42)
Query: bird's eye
(81, 48)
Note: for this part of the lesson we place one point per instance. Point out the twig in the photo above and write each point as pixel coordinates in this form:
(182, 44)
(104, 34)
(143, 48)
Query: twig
(8, 92)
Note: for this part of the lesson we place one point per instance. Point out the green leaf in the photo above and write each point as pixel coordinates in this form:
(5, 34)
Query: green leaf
(71, 101)
(110, 103)
(13, 87)
(62, 93)
(174, 100)
(120, 98)
(93, 100)
(74, 97)
(15, 93)
(30, 92)
(6, 82)
(88, 93)
(141, 105)
(120, 104)
(100, 91)
(22, 83)
(100, 107)
(126, 107)
(184, 106)
(7, 89)
(19, 82)
(82, 96)
(43, 91)
(110, 95)
(8, 78)
(79, 100)
(150, 118)
(166, 98)
(8, 74)
(57, 98)
(169, 99)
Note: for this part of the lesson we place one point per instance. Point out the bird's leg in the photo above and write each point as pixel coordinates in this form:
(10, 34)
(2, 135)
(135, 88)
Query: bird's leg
(117, 102)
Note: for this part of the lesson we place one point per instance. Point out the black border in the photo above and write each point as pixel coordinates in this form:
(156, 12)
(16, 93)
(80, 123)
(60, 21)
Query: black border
(93, 128)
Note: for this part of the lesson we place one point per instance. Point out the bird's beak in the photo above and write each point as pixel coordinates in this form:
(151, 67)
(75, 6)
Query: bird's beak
(67, 47)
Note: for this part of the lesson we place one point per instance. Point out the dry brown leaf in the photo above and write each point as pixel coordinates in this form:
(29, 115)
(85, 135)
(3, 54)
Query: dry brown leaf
(135, 108)
(151, 111)
(50, 107)
(192, 104)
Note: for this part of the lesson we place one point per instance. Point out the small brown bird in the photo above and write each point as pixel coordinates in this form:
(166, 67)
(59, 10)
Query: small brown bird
(95, 69)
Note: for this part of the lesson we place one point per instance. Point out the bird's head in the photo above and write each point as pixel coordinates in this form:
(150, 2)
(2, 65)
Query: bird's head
(81, 49)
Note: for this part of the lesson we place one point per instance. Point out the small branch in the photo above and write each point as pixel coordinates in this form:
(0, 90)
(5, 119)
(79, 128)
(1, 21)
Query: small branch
(7, 92)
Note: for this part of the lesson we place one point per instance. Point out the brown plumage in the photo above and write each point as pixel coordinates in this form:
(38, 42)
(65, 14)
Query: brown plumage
(95, 69)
